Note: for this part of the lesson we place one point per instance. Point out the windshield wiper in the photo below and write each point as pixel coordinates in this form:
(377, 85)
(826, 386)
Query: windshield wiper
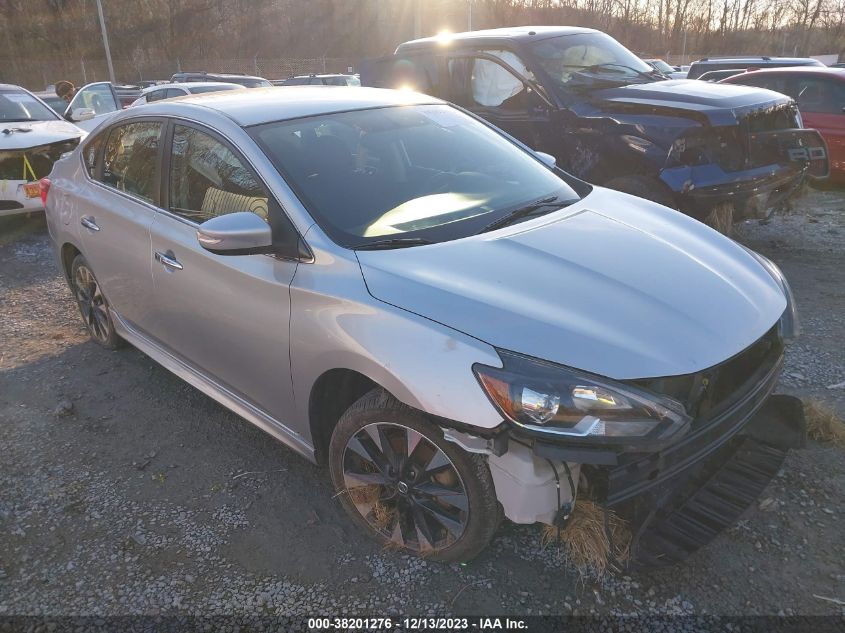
(528, 209)
(394, 242)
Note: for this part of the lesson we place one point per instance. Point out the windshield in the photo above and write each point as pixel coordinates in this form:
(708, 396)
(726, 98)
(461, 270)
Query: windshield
(18, 105)
(588, 58)
(200, 89)
(429, 172)
(662, 66)
(251, 83)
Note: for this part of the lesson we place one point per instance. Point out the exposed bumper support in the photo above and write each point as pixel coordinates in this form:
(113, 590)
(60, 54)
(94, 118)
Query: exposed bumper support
(674, 520)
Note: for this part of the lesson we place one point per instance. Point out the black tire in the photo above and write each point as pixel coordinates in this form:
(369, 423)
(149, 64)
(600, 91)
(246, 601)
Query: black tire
(411, 519)
(644, 187)
(92, 304)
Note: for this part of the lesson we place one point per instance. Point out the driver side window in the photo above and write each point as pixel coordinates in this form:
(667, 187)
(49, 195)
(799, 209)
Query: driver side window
(98, 97)
(491, 85)
(208, 179)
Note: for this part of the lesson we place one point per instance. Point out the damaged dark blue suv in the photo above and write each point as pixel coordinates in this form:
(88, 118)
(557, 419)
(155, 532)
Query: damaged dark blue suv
(719, 153)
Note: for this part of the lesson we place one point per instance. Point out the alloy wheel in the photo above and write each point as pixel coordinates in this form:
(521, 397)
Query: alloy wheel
(405, 487)
(92, 303)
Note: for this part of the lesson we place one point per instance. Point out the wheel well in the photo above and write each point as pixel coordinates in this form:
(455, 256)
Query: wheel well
(333, 393)
(69, 253)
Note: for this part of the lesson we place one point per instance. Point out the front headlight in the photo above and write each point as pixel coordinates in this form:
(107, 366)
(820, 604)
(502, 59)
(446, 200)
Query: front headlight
(556, 400)
(789, 325)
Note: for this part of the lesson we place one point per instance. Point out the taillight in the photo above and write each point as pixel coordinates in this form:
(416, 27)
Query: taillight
(44, 186)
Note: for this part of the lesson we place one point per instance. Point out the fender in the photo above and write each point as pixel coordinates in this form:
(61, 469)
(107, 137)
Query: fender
(423, 363)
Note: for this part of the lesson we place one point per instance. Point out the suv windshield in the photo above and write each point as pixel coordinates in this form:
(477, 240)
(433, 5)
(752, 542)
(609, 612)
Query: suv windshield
(589, 58)
(427, 173)
(17, 105)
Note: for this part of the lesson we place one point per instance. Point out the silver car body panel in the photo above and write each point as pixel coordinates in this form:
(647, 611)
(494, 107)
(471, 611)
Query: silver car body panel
(552, 288)
(412, 320)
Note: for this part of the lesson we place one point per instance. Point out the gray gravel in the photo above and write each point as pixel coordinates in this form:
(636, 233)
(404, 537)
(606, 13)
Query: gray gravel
(125, 491)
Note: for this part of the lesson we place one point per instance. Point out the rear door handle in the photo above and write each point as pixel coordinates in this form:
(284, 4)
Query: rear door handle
(89, 223)
(168, 261)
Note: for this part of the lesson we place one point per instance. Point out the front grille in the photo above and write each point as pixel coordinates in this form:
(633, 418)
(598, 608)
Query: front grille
(712, 390)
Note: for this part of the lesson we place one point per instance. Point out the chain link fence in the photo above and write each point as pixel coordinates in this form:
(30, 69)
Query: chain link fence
(37, 74)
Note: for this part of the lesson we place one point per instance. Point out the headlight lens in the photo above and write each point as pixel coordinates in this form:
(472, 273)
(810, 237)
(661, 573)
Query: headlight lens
(556, 400)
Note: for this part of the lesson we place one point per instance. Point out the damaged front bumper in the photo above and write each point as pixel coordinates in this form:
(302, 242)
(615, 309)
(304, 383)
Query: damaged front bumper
(765, 172)
(675, 499)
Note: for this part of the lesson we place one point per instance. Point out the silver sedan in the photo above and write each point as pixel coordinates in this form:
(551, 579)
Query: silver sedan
(395, 288)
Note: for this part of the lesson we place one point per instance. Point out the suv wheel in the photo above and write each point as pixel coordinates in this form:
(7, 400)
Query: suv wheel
(407, 486)
(92, 304)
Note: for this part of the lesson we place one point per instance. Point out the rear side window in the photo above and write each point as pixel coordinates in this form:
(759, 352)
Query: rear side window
(155, 95)
(130, 159)
(769, 82)
(175, 92)
(207, 179)
(91, 153)
(819, 95)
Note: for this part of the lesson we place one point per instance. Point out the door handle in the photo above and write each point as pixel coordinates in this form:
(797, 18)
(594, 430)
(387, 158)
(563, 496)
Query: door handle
(168, 261)
(89, 223)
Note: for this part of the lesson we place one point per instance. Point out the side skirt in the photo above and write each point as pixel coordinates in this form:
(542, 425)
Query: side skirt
(213, 389)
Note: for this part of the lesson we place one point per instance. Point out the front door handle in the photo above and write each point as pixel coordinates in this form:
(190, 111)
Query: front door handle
(89, 223)
(168, 261)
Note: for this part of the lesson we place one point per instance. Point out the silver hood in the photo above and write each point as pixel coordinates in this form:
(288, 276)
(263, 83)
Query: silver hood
(613, 285)
(26, 134)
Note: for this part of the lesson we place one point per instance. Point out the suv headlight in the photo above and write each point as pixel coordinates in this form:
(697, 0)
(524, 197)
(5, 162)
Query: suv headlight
(790, 328)
(558, 401)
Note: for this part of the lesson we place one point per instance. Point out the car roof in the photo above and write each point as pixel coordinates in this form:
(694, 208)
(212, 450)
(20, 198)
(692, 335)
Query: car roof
(753, 58)
(12, 87)
(253, 106)
(188, 85)
(509, 33)
(800, 70)
(201, 73)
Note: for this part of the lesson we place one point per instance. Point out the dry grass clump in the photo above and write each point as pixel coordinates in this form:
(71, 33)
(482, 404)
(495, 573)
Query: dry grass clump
(721, 218)
(823, 425)
(586, 542)
(370, 494)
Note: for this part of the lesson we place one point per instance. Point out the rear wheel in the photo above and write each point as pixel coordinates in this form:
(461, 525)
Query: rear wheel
(92, 304)
(406, 486)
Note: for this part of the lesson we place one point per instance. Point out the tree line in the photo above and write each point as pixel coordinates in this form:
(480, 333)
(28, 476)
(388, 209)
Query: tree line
(146, 30)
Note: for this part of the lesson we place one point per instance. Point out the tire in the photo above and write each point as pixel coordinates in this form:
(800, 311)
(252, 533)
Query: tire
(440, 503)
(644, 187)
(92, 304)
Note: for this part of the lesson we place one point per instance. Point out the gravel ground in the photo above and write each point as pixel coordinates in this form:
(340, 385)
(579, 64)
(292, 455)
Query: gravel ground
(126, 491)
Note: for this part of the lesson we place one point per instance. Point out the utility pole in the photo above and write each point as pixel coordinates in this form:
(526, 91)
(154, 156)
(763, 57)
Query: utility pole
(469, 15)
(105, 40)
(417, 19)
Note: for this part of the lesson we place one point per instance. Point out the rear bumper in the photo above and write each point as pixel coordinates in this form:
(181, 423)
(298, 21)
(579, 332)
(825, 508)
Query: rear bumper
(13, 198)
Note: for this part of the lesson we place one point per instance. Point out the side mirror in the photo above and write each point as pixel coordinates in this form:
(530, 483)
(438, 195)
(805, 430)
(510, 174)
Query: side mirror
(548, 159)
(242, 233)
(82, 114)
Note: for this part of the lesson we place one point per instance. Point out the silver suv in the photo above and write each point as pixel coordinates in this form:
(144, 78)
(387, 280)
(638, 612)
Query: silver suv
(392, 286)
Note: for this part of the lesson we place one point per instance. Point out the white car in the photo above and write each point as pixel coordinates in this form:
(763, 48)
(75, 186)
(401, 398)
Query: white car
(170, 91)
(32, 138)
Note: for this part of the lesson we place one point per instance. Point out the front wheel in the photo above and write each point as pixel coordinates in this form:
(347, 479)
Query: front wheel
(408, 487)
